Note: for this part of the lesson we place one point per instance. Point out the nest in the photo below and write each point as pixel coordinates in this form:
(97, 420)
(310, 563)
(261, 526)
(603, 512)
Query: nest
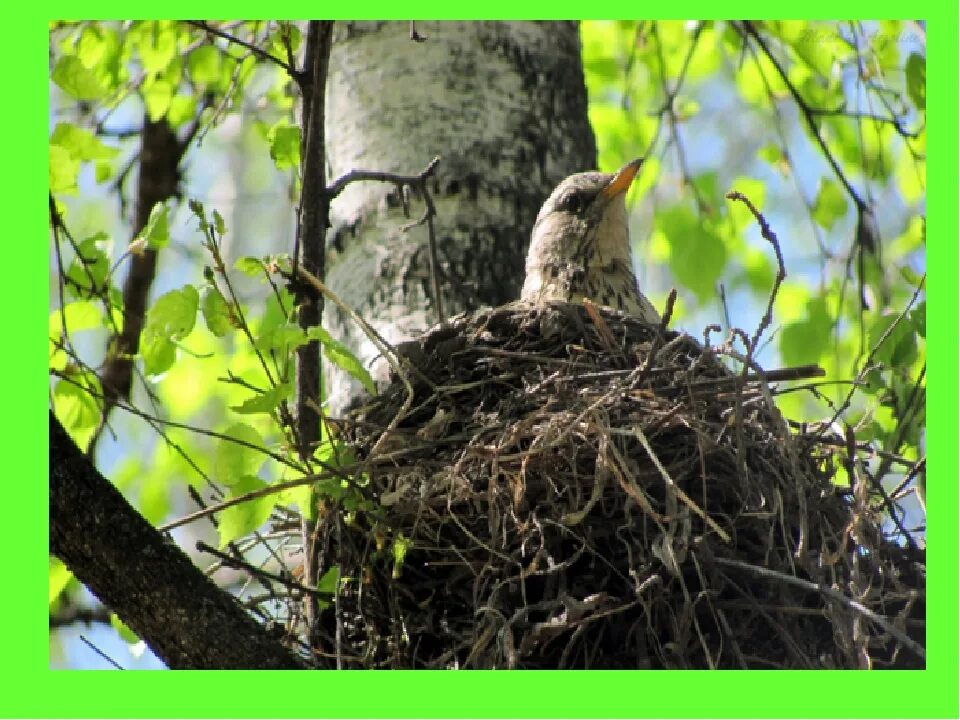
(568, 487)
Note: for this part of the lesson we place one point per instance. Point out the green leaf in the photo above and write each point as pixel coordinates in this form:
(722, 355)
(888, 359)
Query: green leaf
(284, 140)
(899, 349)
(174, 314)
(60, 575)
(697, 254)
(82, 144)
(172, 317)
(204, 64)
(804, 341)
(216, 312)
(601, 69)
(79, 315)
(89, 269)
(918, 316)
(910, 276)
(158, 354)
(248, 265)
(265, 402)
(916, 71)
(399, 549)
(157, 96)
(76, 79)
(103, 171)
(64, 169)
(219, 224)
(74, 400)
(830, 205)
(157, 43)
(196, 207)
(243, 518)
(157, 230)
(281, 338)
(182, 108)
(340, 355)
(328, 581)
(232, 460)
(126, 634)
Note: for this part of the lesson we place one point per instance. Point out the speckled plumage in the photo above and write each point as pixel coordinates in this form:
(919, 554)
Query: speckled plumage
(580, 247)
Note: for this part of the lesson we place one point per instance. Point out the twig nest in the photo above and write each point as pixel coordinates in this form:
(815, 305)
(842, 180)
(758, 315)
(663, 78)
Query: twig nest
(552, 487)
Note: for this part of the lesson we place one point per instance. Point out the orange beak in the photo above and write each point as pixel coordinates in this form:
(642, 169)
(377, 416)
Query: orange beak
(623, 179)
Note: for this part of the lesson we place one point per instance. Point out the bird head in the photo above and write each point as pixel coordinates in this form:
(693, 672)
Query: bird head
(584, 221)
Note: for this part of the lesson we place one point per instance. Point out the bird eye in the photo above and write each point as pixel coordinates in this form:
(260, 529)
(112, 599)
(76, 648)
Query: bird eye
(572, 203)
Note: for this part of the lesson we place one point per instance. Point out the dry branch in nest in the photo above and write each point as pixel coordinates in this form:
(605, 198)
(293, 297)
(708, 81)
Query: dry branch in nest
(552, 487)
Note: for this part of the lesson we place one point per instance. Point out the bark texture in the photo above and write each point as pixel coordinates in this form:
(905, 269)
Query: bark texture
(187, 621)
(504, 105)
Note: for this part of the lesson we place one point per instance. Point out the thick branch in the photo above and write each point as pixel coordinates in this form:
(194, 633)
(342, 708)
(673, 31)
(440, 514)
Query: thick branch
(150, 583)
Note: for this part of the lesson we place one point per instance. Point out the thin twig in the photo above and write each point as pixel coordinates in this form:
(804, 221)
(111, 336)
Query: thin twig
(259, 52)
(239, 564)
(831, 593)
(805, 110)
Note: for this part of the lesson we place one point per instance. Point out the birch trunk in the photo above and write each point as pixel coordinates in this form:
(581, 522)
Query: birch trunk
(504, 105)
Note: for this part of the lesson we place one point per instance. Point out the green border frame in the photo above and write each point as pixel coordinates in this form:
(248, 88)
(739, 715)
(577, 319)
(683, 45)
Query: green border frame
(32, 689)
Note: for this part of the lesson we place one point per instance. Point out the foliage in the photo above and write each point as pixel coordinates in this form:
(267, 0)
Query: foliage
(821, 125)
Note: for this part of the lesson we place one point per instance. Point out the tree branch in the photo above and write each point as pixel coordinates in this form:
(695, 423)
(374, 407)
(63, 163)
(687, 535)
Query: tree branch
(310, 250)
(808, 114)
(150, 583)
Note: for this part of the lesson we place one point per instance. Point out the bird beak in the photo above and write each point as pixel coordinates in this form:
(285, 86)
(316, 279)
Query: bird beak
(622, 180)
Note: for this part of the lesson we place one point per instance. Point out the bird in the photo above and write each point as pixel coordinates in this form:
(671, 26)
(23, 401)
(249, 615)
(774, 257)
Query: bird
(580, 246)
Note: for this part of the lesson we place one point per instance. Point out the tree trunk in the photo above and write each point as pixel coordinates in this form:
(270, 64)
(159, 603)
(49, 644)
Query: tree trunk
(504, 105)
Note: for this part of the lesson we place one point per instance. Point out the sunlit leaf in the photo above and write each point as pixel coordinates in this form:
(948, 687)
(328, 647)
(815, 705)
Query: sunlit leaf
(158, 354)
(204, 64)
(265, 402)
(157, 230)
(399, 549)
(341, 356)
(126, 634)
(245, 517)
(174, 313)
(249, 266)
(59, 576)
(182, 109)
(81, 143)
(216, 312)
(284, 140)
(157, 96)
(78, 315)
(157, 45)
(76, 79)
(233, 460)
(64, 169)
(75, 402)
